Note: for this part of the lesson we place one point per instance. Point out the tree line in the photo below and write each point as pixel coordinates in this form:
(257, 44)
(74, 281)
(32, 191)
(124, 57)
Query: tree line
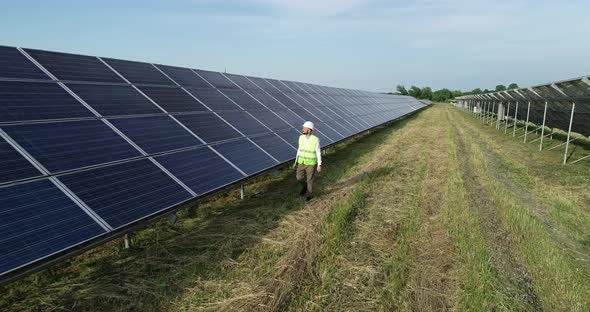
(444, 95)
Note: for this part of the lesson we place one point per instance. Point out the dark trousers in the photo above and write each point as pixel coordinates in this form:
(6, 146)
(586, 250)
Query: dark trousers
(306, 170)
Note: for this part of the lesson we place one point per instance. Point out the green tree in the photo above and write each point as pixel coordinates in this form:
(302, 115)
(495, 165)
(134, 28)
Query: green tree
(401, 90)
(476, 91)
(500, 88)
(456, 93)
(426, 93)
(512, 86)
(442, 95)
(415, 92)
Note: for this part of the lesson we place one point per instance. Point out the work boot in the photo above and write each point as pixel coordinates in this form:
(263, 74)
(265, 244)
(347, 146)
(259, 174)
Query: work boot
(308, 196)
(303, 188)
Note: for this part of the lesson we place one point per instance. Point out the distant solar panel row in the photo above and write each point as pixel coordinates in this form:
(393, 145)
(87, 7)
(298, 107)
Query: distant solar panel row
(91, 145)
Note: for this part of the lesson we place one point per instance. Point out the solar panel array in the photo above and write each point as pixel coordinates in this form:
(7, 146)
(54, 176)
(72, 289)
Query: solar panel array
(559, 97)
(90, 146)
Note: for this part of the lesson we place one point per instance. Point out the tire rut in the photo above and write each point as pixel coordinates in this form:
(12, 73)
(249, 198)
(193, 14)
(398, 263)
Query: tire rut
(512, 272)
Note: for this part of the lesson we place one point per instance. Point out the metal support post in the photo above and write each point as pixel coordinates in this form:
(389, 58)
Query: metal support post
(543, 127)
(242, 191)
(492, 114)
(569, 133)
(507, 115)
(498, 115)
(526, 125)
(515, 119)
(126, 241)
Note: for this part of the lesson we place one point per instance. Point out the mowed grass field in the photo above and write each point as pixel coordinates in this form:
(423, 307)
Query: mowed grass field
(435, 212)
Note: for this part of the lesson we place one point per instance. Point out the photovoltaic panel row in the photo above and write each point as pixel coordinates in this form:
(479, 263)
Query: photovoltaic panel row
(125, 149)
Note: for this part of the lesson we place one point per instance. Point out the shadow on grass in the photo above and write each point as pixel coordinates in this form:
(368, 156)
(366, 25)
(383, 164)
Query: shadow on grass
(165, 259)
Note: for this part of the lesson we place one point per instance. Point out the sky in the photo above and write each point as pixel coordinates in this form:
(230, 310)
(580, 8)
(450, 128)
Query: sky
(362, 44)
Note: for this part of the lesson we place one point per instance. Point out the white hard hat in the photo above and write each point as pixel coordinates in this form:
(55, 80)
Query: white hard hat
(308, 124)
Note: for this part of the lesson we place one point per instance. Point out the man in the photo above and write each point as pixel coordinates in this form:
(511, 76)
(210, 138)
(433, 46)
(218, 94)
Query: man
(308, 157)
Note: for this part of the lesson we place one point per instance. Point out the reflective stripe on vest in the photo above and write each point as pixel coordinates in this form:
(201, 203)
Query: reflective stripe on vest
(307, 152)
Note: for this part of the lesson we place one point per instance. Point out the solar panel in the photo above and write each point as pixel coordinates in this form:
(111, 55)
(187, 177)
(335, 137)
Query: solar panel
(244, 122)
(247, 156)
(291, 136)
(242, 82)
(243, 99)
(139, 72)
(126, 192)
(269, 119)
(22, 101)
(61, 146)
(112, 100)
(216, 79)
(156, 134)
(13, 166)
(13, 64)
(121, 151)
(209, 127)
(184, 76)
(172, 99)
(36, 220)
(74, 67)
(213, 99)
(275, 146)
(200, 169)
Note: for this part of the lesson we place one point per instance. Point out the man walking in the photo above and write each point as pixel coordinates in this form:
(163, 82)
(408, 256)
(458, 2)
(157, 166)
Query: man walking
(308, 157)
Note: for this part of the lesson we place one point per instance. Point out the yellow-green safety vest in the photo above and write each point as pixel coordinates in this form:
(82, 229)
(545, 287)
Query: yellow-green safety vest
(307, 153)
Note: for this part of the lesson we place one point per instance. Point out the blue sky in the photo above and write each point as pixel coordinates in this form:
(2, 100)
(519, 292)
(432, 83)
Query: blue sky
(364, 44)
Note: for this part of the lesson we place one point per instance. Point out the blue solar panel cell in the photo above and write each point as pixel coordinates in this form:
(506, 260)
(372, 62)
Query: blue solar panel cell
(111, 100)
(290, 117)
(75, 67)
(36, 220)
(208, 127)
(278, 85)
(200, 169)
(13, 166)
(61, 146)
(184, 76)
(243, 82)
(126, 192)
(285, 100)
(213, 99)
(275, 146)
(291, 136)
(217, 79)
(139, 72)
(173, 99)
(13, 64)
(156, 134)
(245, 155)
(267, 100)
(245, 123)
(269, 119)
(243, 99)
(23, 101)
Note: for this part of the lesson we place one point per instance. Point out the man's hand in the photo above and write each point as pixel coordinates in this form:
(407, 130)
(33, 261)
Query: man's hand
(319, 169)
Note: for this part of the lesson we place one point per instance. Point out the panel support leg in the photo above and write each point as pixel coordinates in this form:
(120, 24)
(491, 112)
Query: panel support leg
(126, 241)
(569, 133)
(526, 125)
(507, 116)
(242, 191)
(543, 127)
(515, 119)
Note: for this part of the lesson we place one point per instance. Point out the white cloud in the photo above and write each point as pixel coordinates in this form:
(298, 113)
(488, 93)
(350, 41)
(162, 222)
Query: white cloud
(315, 7)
